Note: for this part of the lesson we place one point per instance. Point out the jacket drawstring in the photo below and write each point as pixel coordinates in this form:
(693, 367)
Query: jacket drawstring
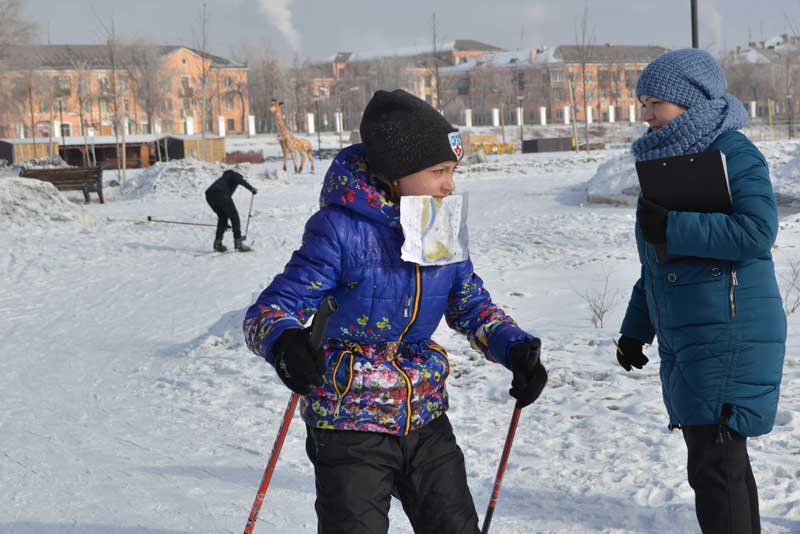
(723, 433)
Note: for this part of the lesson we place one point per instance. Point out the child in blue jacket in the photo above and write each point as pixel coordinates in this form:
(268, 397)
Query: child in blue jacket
(374, 398)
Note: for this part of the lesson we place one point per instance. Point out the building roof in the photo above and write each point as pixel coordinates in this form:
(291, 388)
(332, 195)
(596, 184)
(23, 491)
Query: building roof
(92, 56)
(460, 45)
(526, 57)
(511, 59)
(608, 53)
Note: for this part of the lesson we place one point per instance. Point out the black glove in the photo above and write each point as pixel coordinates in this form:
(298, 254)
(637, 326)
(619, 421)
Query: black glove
(653, 221)
(298, 365)
(629, 353)
(254, 191)
(529, 373)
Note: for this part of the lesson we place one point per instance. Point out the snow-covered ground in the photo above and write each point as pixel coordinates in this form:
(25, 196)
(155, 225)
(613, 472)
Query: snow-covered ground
(131, 405)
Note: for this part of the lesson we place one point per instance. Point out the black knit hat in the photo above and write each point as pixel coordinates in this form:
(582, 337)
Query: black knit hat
(403, 134)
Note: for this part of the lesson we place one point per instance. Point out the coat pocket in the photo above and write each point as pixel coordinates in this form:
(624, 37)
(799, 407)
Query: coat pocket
(696, 294)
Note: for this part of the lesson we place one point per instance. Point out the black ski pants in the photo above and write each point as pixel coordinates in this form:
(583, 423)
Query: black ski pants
(726, 497)
(358, 472)
(223, 206)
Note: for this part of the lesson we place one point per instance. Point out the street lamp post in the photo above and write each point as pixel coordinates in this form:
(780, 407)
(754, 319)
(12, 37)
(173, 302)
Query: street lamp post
(790, 111)
(316, 119)
(520, 98)
(61, 120)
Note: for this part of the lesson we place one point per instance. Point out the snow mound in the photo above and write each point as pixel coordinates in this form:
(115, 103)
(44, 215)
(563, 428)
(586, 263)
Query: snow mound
(277, 175)
(784, 164)
(533, 164)
(615, 182)
(28, 202)
(184, 178)
(45, 162)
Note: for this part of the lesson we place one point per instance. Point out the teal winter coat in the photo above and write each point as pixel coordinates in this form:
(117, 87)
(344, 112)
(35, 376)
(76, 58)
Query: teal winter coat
(716, 308)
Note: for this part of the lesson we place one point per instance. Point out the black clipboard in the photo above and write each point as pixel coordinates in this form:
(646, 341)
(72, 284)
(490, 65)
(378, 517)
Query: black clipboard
(692, 182)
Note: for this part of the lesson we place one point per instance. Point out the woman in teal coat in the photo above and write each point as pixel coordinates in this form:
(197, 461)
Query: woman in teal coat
(710, 293)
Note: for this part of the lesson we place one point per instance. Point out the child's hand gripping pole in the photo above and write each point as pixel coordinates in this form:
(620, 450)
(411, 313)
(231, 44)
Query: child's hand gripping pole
(318, 326)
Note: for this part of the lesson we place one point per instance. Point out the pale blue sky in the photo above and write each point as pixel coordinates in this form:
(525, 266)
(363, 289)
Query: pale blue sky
(320, 28)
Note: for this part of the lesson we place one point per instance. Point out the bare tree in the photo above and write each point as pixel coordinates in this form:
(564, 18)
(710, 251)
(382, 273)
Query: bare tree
(790, 287)
(148, 77)
(29, 88)
(584, 44)
(265, 81)
(113, 93)
(600, 300)
(15, 29)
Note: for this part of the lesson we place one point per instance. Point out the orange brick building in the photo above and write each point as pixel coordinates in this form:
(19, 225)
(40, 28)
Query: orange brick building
(77, 89)
(603, 81)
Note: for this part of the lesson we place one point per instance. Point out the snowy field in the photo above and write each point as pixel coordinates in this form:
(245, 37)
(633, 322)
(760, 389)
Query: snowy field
(130, 404)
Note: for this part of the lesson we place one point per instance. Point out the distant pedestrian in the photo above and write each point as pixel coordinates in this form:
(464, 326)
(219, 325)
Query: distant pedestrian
(220, 197)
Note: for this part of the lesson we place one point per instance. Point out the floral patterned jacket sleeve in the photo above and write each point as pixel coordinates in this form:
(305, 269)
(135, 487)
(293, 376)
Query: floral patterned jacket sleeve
(470, 311)
(294, 295)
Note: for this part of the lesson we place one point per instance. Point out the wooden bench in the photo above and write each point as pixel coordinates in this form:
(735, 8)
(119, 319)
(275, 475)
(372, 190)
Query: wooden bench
(85, 179)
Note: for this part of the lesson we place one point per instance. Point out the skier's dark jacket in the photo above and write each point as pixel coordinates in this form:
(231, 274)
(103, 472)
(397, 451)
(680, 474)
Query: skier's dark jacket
(717, 311)
(351, 250)
(228, 182)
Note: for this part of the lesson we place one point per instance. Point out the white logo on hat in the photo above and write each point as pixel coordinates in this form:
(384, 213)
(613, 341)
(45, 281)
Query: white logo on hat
(455, 144)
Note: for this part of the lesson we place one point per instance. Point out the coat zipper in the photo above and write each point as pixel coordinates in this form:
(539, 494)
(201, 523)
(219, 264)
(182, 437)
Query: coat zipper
(340, 395)
(396, 345)
(734, 283)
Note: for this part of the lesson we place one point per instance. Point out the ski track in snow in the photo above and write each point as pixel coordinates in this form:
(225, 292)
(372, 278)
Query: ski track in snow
(131, 405)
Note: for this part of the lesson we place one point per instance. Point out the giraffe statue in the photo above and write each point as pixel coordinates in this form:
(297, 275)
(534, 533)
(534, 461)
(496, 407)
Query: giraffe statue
(291, 145)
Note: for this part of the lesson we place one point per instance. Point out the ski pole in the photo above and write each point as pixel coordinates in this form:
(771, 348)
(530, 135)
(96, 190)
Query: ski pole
(501, 469)
(150, 219)
(318, 326)
(252, 197)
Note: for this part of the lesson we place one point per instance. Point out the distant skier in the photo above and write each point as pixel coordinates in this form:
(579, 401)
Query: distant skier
(374, 399)
(220, 197)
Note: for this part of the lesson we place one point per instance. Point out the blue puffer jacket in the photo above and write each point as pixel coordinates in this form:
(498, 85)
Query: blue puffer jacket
(351, 250)
(717, 313)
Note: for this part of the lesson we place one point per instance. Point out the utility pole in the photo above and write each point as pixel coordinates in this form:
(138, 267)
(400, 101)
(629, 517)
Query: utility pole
(316, 120)
(695, 37)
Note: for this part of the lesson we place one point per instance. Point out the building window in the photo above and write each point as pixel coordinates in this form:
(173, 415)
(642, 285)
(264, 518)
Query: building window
(104, 107)
(126, 105)
(228, 81)
(64, 84)
(43, 107)
(66, 130)
(166, 105)
(588, 76)
(231, 125)
(185, 82)
(165, 83)
(556, 76)
(229, 101)
(187, 104)
(557, 95)
(86, 106)
(589, 93)
(103, 81)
